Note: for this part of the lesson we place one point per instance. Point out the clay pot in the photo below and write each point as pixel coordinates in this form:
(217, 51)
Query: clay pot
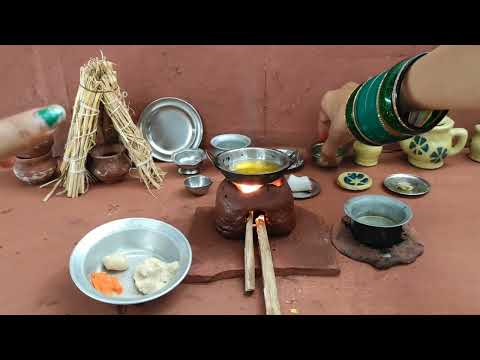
(35, 171)
(38, 150)
(109, 163)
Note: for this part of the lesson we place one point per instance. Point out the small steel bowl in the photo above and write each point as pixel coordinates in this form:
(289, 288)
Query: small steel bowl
(137, 239)
(224, 142)
(189, 161)
(318, 159)
(377, 220)
(198, 184)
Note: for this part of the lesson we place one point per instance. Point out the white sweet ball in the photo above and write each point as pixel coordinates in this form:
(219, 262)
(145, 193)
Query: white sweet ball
(117, 262)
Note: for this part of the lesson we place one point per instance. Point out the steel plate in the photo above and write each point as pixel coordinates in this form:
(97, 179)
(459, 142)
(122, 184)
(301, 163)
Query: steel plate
(137, 239)
(170, 125)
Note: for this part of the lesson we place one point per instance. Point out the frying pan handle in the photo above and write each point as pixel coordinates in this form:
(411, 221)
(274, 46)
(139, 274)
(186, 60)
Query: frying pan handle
(210, 156)
(213, 158)
(294, 153)
(292, 157)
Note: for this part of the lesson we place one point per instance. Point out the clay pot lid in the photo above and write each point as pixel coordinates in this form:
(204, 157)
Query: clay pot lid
(106, 151)
(32, 160)
(354, 181)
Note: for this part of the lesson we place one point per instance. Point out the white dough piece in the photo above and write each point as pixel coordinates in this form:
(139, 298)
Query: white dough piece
(299, 183)
(153, 274)
(117, 262)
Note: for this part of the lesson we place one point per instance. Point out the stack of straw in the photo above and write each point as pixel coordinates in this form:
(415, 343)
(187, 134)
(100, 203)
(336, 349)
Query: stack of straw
(98, 84)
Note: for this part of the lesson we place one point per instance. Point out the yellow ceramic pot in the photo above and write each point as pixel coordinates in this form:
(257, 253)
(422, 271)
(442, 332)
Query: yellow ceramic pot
(475, 145)
(366, 155)
(428, 151)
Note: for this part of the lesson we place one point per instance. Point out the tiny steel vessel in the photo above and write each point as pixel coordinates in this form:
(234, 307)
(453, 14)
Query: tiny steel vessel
(377, 220)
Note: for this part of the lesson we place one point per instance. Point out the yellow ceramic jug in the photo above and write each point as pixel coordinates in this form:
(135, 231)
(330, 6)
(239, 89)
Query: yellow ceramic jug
(475, 145)
(427, 151)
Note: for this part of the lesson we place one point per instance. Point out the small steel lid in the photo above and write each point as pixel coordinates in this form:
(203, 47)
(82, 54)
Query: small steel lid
(406, 184)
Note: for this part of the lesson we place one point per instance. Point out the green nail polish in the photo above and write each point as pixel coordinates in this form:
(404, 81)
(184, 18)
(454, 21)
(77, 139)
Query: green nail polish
(52, 114)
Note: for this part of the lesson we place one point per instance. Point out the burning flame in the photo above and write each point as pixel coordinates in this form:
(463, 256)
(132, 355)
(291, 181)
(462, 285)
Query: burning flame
(278, 182)
(248, 189)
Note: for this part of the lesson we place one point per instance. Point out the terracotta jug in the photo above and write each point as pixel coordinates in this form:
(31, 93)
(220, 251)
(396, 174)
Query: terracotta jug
(366, 155)
(428, 151)
(37, 170)
(475, 145)
(109, 163)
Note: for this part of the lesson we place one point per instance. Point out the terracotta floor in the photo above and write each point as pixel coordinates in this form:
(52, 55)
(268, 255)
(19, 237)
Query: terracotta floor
(36, 239)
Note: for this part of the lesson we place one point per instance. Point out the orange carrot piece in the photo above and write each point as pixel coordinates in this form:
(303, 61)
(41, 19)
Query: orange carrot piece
(106, 284)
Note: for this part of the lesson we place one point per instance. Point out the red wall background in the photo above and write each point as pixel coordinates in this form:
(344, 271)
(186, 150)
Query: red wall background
(270, 93)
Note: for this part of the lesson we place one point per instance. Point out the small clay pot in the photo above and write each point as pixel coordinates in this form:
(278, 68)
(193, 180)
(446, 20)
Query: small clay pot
(38, 150)
(35, 171)
(109, 163)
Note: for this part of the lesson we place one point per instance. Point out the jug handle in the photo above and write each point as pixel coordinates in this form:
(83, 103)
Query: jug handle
(462, 135)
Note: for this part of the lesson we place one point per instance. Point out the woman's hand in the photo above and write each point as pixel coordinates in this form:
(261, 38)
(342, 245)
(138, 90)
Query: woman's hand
(332, 124)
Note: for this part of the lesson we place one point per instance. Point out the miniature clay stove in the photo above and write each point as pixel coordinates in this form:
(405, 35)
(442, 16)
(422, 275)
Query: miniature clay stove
(270, 207)
(235, 201)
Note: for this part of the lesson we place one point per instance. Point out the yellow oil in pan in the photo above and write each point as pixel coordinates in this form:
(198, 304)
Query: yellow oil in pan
(254, 167)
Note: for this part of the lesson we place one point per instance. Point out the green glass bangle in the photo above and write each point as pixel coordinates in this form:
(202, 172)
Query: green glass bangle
(367, 111)
(434, 116)
(385, 102)
(388, 97)
(351, 121)
(398, 85)
(434, 120)
(372, 112)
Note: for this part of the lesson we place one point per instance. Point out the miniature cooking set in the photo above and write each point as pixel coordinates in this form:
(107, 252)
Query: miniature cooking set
(257, 201)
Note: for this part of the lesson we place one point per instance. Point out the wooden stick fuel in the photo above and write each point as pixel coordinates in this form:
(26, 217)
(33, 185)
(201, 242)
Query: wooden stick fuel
(249, 256)
(268, 273)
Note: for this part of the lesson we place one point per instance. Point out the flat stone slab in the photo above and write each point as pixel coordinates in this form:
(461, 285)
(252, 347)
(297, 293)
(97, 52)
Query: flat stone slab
(306, 251)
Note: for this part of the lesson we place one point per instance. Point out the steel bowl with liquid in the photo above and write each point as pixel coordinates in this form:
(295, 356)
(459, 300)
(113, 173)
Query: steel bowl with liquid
(377, 220)
(270, 163)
